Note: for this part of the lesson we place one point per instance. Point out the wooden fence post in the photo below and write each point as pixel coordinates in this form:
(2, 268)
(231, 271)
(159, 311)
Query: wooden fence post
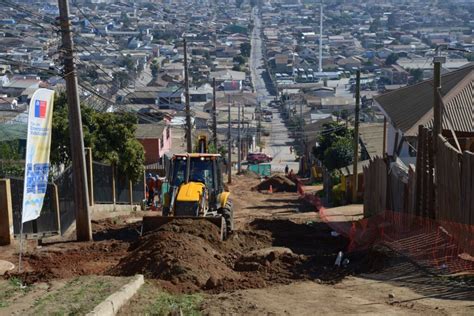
(130, 183)
(6, 213)
(90, 175)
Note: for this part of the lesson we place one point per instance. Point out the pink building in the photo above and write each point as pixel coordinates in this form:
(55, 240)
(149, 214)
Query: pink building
(155, 139)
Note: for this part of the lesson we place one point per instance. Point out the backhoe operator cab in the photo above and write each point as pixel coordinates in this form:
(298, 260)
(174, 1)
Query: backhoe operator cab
(196, 188)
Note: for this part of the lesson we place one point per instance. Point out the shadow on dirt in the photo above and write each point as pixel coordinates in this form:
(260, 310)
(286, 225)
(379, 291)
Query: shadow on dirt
(314, 240)
(129, 233)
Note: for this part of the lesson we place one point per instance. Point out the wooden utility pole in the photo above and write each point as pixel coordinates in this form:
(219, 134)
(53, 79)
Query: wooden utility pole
(384, 146)
(437, 116)
(189, 144)
(239, 143)
(229, 146)
(79, 177)
(214, 114)
(259, 125)
(356, 139)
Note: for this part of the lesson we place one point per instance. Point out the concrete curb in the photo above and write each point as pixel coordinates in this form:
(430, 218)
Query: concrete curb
(111, 305)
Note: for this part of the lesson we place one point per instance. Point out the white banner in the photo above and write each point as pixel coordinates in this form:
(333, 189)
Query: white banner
(38, 145)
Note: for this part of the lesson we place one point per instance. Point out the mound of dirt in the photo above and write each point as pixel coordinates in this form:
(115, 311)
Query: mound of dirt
(183, 252)
(279, 183)
(265, 258)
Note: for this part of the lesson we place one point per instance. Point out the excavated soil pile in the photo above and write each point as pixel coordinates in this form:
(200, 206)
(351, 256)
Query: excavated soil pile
(112, 239)
(183, 252)
(278, 183)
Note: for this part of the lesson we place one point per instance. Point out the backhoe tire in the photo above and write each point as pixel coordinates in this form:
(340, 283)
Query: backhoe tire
(228, 215)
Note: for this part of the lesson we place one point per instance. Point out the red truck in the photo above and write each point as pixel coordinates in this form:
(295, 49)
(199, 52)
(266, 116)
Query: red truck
(258, 158)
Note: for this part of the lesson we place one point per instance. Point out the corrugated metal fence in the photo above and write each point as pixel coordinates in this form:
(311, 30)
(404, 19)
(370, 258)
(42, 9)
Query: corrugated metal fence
(58, 213)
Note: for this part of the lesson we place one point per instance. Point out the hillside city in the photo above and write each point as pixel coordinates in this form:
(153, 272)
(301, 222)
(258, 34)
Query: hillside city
(343, 130)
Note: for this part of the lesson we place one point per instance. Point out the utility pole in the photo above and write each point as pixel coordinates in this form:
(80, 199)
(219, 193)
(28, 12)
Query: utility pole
(320, 68)
(229, 146)
(189, 144)
(259, 124)
(214, 114)
(301, 113)
(356, 140)
(79, 177)
(437, 115)
(239, 143)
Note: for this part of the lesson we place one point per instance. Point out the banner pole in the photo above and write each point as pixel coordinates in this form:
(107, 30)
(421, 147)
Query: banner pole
(21, 244)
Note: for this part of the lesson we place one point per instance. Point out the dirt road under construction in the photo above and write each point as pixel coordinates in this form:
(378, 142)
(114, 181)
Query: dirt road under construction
(280, 260)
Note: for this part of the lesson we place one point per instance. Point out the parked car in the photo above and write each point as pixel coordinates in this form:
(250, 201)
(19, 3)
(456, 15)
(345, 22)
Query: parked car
(258, 158)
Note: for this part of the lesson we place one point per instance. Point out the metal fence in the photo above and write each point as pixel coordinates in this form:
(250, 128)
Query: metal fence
(66, 199)
(47, 224)
(103, 183)
(108, 183)
(138, 191)
(122, 190)
(58, 213)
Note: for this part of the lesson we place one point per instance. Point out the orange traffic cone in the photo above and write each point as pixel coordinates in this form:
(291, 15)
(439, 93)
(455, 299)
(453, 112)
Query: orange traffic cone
(270, 189)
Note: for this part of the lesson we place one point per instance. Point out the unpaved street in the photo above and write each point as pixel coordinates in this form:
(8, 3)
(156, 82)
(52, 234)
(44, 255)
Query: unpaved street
(279, 261)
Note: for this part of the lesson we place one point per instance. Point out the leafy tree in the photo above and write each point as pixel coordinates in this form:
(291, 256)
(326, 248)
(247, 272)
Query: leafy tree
(239, 59)
(339, 154)
(125, 20)
(127, 62)
(245, 49)
(335, 144)
(417, 74)
(391, 59)
(110, 135)
(155, 67)
(237, 68)
(344, 114)
(392, 21)
(374, 26)
(10, 154)
(121, 79)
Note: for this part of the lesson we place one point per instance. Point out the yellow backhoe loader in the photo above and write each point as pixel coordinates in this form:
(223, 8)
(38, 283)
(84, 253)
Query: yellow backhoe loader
(196, 191)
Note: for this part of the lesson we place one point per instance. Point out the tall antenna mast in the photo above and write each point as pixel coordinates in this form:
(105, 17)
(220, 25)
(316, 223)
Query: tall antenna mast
(321, 39)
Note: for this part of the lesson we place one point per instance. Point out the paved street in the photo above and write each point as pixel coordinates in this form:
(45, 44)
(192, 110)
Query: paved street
(278, 143)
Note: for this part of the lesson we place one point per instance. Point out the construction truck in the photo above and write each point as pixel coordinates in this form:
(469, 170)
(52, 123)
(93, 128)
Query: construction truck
(195, 191)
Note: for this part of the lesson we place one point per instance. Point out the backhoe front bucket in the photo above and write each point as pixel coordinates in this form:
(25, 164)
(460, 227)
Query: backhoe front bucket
(151, 223)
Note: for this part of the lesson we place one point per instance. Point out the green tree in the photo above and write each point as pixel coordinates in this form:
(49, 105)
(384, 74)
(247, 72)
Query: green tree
(110, 135)
(236, 68)
(344, 114)
(127, 62)
(245, 49)
(125, 20)
(121, 79)
(239, 59)
(374, 26)
(334, 143)
(391, 59)
(154, 67)
(10, 154)
(339, 154)
(417, 74)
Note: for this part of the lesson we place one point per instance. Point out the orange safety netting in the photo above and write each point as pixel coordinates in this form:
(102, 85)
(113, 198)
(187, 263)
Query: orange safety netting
(443, 247)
